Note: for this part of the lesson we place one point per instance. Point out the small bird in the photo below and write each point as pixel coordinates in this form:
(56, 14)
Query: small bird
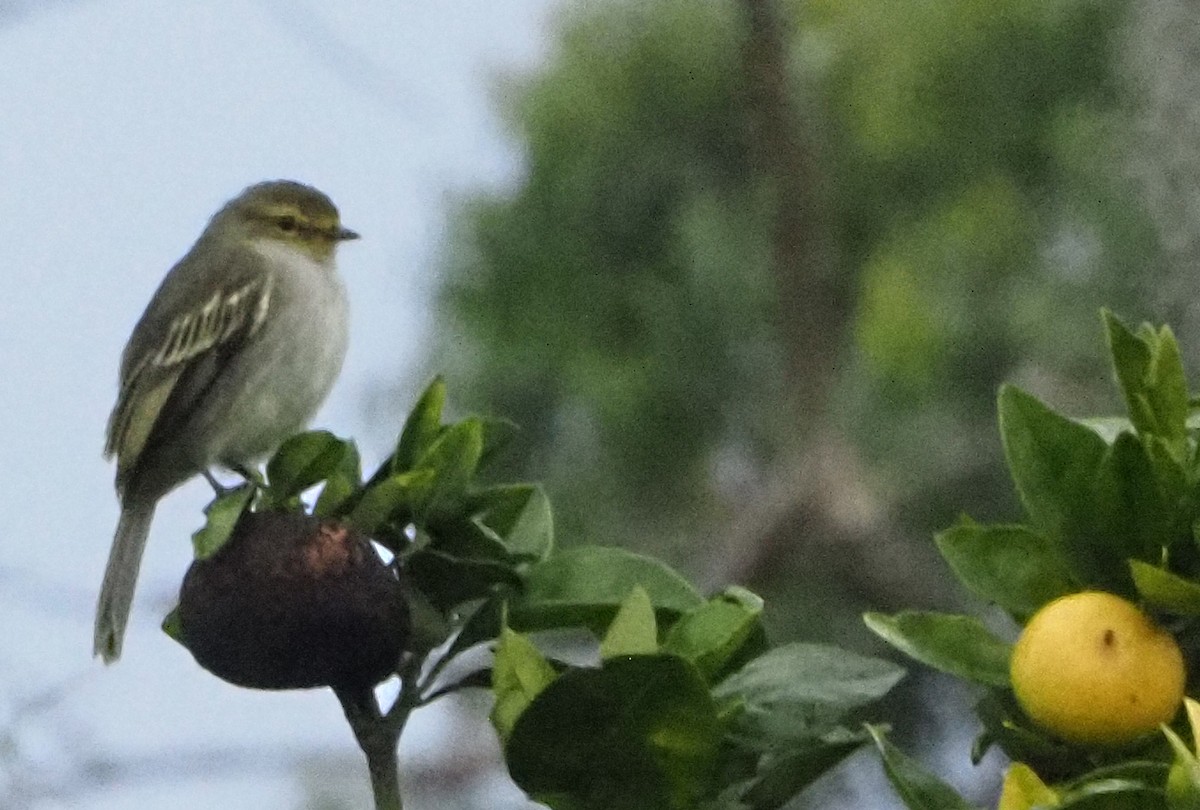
(236, 351)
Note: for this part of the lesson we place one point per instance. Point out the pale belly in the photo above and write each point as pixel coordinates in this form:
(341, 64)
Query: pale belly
(287, 371)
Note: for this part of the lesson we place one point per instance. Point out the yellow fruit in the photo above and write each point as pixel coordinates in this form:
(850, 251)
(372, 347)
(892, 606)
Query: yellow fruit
(1095, 670)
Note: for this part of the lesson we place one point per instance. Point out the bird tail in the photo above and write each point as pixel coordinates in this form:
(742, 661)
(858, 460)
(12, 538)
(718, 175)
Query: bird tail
(116, 594)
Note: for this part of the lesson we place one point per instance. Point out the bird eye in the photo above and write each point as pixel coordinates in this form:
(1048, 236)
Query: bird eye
(287, 224)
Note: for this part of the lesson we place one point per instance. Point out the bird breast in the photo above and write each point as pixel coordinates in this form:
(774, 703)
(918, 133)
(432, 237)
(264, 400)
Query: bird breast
(291, 362)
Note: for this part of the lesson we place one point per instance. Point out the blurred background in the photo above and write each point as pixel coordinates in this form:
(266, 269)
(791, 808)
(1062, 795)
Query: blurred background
(746, 272)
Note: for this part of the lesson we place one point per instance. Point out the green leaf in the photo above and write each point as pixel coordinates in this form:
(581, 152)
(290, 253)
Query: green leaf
(484, 624)
(520, 515)
(421, 428)
(633, 630)
(1055, 463)
(1005, 724)
(304, 460)
(1165, 590)
(1023, 789)
(1150, 371)
(1183, 782)
(448, 581)
(395, 495)
(712, 634)
(959, 645)
(781, 775)
(429, 627)
(800, 691)
(1113, 794)
(519, 674)
(497, 434)
(651, 742)
(919, 789)
(467, 538)
(1127, 769)
(453, 458)
(1013, 566)
(171, 626)
(341, 485)
(584, 586)
(1107, 427)
(1135, 515)
(222, 518)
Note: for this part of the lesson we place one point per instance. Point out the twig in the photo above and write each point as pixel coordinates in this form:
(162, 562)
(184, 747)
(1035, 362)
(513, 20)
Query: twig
(378, 740)
(378, 734)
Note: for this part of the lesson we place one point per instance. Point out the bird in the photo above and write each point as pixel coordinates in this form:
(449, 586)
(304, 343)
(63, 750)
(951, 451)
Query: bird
(236, 350)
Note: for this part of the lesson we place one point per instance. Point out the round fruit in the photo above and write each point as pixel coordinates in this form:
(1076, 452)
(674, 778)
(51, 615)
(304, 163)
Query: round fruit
(1095, 670)
(293, 602)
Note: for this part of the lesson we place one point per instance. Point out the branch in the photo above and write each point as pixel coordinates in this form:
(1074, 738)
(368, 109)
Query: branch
(379, 741)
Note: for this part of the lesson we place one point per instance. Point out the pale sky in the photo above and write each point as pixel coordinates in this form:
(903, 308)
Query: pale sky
(123, 125)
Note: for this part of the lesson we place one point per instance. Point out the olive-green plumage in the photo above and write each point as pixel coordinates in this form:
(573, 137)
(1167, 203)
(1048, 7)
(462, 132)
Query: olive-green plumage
(236, 350)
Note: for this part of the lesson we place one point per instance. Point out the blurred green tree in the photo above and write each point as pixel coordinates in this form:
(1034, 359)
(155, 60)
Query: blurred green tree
(768, 262)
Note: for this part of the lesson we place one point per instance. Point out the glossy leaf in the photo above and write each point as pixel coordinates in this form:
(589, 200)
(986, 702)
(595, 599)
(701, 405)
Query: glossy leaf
(395, 495)
(783, 774)
(917, 787)
(1150, 371)
(341, 485)
(1005, 724)
(222, 516)
(584, 586)
(633, 630)
(520, 515)
(421, 428)
(1165, 590)
(959, 645)
(452, 457)
(448, 581)
(467, 538)
(713, 633)
(1024, 790)
(651, 742)
(1135, 518)
(1114, 794)
(519, 674)
(799, 691)
(497, 435)
(1183, 783)
(484, 624)
(1055, 463)
(304, 460)
(429, 625)
(1013, 566)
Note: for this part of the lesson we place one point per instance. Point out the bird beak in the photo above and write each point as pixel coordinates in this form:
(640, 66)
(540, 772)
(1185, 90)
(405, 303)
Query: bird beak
(345, 234)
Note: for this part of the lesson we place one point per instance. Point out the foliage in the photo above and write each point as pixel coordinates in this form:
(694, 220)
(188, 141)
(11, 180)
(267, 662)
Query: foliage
(971, 147)
(620, 300)
(1110, 504)
(683, 703)
(596, 305)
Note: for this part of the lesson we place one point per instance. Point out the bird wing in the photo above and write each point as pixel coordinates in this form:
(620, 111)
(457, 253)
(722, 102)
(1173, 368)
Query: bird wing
(175, 356)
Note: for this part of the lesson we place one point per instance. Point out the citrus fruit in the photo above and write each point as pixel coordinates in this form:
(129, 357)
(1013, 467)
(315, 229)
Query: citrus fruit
(1095, 670)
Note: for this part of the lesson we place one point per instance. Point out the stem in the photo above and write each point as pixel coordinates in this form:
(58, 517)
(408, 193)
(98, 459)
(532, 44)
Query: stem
(385, 776)
(378, 738)
(378, 734)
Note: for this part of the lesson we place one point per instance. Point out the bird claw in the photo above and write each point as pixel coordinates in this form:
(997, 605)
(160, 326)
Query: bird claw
(251, 476)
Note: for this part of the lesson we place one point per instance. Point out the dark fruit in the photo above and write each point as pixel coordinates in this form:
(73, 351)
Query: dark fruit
(293, 602)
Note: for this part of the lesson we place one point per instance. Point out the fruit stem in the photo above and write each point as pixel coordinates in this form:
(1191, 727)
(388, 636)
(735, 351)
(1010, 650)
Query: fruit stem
(378, 734)
(378, 738)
